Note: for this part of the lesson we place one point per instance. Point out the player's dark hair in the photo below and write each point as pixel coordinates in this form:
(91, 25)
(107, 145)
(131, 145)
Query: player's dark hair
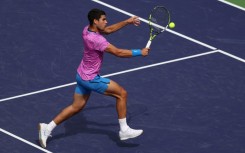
(95, 14)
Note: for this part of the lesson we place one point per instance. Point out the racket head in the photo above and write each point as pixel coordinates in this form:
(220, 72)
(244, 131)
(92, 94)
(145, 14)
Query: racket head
(158, 16)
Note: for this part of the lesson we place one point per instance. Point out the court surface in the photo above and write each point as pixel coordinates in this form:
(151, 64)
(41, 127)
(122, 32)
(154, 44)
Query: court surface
(188, 95)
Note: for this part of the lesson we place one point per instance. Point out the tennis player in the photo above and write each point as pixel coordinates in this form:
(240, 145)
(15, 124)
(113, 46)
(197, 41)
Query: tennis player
(88, 78)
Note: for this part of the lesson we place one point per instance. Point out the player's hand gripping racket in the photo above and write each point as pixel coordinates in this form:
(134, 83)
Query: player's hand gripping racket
(158, 22)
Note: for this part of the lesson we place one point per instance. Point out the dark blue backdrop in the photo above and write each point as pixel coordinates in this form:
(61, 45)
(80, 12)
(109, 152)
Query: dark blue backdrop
(195, 105)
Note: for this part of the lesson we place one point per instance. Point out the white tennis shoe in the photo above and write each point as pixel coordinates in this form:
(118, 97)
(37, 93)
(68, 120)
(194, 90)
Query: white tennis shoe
(43, 134)
(129, 133)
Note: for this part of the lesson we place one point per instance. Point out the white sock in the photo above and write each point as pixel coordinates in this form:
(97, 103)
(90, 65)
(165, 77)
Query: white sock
(123, 124)
(51, 126)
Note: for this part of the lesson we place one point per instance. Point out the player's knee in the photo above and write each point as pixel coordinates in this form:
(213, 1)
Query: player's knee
(75, 110)
(78, 107)
(123, 93)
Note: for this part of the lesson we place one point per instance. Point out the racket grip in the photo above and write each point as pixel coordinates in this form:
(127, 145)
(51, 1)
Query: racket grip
(148, 44)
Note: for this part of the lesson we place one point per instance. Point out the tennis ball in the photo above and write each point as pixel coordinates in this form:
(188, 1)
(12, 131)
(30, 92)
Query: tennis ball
(171, 25)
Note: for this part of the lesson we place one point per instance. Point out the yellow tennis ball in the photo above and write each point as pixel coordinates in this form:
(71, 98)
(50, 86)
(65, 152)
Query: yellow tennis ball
(171, 25)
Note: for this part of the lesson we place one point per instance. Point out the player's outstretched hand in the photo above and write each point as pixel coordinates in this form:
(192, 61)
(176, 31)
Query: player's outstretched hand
(145, 51)
(134, 20)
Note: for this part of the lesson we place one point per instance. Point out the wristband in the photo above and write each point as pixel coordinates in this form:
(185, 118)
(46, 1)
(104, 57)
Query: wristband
(136, 52)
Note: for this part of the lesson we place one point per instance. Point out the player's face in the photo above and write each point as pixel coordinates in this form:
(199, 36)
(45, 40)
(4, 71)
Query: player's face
(101, 23)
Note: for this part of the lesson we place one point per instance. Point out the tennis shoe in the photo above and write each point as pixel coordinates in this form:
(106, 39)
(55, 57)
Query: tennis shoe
(44, 133)
(129, 133)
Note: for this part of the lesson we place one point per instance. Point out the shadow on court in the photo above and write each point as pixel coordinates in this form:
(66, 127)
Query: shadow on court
(79, 124)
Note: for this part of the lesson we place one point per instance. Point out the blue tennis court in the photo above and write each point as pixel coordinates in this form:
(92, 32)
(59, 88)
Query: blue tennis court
(188, 95)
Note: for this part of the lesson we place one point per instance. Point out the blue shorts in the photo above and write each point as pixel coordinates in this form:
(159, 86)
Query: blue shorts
(98, 84)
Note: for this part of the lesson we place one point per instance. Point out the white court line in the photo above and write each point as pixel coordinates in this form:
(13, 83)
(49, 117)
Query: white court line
(23, 140)
(146, 21)
(232, 56)
(231, 4)
(162, 63)
(113, 74)
(39, 91)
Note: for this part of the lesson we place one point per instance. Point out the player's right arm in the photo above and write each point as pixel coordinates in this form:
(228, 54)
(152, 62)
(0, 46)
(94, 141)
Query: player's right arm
(125, 52)
(117, 26)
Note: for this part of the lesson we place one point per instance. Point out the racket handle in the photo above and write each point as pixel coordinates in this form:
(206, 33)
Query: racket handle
(148, 44)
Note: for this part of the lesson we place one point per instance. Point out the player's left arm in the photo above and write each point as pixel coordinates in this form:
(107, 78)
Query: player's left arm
(115, 27)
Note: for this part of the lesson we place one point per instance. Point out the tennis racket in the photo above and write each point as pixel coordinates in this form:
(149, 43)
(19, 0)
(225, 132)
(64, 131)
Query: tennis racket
(159, 20)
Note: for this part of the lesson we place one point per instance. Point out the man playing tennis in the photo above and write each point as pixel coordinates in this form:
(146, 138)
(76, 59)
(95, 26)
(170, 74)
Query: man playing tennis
(88, 78)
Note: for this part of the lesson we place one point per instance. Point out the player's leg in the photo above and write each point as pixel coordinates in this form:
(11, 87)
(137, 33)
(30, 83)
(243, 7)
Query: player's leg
(80, 99)
(120, 94)
(117, 91)
(78, 104)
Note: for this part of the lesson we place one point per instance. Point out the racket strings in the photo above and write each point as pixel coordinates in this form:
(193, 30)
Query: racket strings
(159, 16)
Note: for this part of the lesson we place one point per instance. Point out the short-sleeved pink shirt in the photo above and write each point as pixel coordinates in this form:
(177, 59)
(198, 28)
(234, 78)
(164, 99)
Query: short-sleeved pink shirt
(94, 47)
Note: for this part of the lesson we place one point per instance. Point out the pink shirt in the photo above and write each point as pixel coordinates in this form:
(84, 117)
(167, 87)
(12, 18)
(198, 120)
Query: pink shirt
(94, 47)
